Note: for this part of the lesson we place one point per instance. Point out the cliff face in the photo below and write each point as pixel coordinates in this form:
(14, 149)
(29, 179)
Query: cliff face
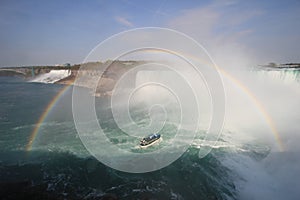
(11, 73)
(105, 74)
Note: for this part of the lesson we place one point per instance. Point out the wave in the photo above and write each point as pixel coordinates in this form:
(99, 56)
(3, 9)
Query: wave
(52, 77)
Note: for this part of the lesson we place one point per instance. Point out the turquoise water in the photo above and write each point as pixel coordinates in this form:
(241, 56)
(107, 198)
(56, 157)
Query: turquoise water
(59, 163)
(59, 160)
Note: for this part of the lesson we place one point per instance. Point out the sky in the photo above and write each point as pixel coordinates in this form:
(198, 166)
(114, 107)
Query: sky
(40, 32)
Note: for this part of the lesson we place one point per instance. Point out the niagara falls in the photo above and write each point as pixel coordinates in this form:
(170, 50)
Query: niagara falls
(149, 100)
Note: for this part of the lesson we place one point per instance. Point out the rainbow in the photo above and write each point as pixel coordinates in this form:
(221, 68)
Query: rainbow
(240, 85)
(47, 110)
(261, 108)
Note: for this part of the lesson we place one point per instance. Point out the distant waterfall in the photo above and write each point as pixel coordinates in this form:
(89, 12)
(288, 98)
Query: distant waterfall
(52, 77)
(287, 76)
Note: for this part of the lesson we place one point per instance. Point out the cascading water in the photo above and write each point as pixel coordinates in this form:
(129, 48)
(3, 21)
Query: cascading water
(51, 77)
(287, 76)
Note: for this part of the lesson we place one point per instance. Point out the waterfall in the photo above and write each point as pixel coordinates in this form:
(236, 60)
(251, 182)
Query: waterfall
(51, 77)
(287, 76)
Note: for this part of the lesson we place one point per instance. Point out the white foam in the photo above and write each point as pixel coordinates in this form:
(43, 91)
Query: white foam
(284, 76)
(52, 77)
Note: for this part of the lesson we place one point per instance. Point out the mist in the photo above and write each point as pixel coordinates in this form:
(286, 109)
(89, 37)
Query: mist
(257, 100)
